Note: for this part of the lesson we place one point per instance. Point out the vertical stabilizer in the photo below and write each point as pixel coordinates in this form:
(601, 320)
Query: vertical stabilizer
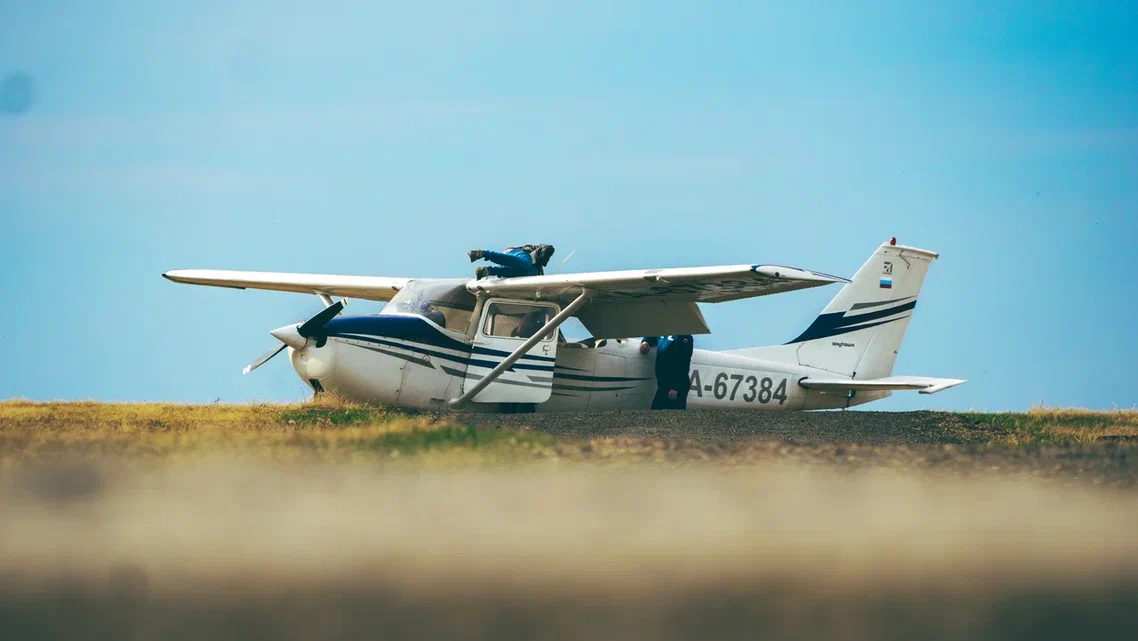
(859, 333)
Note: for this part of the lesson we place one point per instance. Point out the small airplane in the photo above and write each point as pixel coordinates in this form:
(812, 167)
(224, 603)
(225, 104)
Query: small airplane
(493, 345)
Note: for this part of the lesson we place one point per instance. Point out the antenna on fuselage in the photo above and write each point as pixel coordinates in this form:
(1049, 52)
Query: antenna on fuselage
(563, 262)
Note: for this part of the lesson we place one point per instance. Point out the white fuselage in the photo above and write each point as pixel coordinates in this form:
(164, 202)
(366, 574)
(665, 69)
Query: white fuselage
(418, 369)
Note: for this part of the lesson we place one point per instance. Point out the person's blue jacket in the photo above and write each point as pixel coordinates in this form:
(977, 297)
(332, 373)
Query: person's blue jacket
(514, 262)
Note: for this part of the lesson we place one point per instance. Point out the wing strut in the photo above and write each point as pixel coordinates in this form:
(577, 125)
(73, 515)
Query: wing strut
(548, 329)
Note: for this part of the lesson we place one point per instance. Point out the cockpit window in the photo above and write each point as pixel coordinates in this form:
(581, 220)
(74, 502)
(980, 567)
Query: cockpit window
(516, 321)
(445, 302)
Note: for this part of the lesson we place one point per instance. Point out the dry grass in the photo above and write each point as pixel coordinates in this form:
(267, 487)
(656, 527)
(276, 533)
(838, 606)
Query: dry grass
(328, 430)
(1056, 426)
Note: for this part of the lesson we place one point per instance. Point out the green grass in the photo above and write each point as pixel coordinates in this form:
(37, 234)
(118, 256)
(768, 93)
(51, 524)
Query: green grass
(339, 415)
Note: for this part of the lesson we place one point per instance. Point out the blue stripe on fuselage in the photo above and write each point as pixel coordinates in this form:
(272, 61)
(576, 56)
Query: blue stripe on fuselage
(497, 352)
(408, 328)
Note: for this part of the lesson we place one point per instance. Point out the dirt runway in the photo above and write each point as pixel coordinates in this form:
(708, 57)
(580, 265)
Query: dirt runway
(955, 443)
(727, 426)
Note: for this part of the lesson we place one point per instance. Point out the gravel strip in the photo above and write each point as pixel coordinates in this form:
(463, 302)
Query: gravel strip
(730, 426)
(911, 442)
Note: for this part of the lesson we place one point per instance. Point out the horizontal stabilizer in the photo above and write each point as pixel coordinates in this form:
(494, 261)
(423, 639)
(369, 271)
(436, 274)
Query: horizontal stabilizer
(923, 384)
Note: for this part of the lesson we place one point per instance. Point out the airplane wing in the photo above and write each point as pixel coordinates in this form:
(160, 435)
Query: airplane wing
(923, 384)
(655, 301)
(695, 284)
(366, 287)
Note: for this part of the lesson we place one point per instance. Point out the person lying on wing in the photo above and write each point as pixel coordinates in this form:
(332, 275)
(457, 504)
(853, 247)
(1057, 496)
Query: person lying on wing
(527, 260)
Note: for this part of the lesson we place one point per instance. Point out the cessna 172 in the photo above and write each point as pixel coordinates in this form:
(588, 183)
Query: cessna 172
(493, 345)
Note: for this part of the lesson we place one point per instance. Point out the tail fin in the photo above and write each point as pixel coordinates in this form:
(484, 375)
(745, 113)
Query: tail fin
(860, 331)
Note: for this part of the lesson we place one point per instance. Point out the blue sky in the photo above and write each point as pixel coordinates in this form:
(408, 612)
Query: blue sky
(385, 138)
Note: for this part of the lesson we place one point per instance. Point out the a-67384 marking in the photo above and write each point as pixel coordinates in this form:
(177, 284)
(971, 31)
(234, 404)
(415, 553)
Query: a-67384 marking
(727, 386)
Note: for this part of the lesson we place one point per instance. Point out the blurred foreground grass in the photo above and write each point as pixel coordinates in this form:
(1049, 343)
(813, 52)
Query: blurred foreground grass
(245, 551)
(151, 521)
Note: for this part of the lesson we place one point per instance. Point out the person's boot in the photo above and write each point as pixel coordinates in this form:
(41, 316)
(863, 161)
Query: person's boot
(481, 272)
(475, 254)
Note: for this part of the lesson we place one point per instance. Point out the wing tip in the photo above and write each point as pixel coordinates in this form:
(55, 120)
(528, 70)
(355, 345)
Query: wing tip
(193, 277)
(179, 275)
(831, 277)
(796, 273)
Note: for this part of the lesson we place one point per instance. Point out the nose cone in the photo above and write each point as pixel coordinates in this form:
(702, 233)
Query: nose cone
(289, 335)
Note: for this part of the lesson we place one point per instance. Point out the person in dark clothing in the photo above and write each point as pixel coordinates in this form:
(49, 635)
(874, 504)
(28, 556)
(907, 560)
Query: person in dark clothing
(530, 324)
(527, 260)
(673, 364)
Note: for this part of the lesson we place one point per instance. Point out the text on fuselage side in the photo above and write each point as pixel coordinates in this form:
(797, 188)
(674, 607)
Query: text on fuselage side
(726, 386)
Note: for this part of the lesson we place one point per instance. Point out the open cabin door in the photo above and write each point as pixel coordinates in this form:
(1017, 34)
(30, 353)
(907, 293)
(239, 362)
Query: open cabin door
(503, 327)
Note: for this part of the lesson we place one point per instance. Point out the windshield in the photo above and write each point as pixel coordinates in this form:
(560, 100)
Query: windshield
(445, 302)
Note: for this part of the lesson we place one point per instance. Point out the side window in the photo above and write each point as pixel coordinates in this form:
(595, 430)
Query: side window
(515, 321)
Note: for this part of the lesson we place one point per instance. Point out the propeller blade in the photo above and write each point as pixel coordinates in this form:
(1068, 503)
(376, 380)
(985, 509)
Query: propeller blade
(312, 326)
(264, 358)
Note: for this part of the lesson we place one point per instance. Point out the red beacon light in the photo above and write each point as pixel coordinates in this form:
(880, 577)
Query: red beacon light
(893, 241)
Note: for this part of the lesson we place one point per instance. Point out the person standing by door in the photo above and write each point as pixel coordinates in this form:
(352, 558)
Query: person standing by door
(673, 369)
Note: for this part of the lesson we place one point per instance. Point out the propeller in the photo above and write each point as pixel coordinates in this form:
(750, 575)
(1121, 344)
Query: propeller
(298, 335)
(264, 358)
(312, 327)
